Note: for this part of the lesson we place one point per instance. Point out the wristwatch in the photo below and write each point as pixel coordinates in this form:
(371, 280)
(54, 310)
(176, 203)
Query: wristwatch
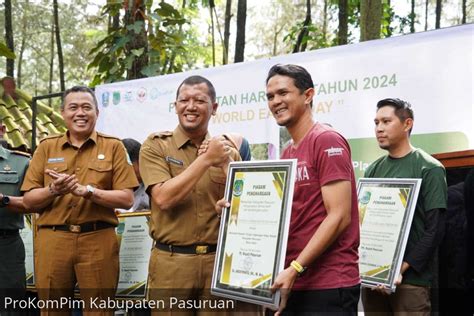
(4, 201)
(90, 191)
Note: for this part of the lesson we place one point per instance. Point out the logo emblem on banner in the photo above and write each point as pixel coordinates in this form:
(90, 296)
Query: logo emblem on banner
(141, 94)
(116, 97)
(128, 96)
(154, 93)
(105, 99)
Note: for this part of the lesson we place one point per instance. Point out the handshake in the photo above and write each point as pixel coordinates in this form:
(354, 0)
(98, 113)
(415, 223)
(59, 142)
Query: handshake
(218, 151)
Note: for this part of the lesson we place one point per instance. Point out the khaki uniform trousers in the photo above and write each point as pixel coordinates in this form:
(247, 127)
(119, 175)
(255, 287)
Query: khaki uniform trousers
(182, 282)
(409, 300)
(91, 259)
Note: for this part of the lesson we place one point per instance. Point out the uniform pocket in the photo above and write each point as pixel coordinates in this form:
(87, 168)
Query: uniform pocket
(58, 167)
(176, 170)
(100, 174)
(9, 178)
(217, 175)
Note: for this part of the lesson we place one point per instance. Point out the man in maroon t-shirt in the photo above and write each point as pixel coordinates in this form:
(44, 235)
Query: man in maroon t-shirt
(322, 259)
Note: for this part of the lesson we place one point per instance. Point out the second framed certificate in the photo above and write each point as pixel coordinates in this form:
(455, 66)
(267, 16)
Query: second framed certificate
(254, 230)
(386, 208)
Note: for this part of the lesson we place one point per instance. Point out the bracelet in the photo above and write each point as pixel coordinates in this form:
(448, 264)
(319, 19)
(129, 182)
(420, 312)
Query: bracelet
(298, 267)
(50, 188)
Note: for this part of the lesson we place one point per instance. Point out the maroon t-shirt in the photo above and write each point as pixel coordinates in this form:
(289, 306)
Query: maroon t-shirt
(323, 156)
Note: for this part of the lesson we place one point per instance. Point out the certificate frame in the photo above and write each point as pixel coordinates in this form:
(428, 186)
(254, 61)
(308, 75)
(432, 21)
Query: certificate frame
(27, 234)
(138, 288)
(386, 210)
(268, 177)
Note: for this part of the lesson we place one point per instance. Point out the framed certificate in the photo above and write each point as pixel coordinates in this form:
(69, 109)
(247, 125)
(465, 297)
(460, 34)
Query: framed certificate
(135, 249)
(27, 235)
(254, 230)
(386, 208)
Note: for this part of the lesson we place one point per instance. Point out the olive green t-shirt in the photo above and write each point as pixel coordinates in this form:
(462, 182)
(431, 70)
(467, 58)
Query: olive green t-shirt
(433, 195)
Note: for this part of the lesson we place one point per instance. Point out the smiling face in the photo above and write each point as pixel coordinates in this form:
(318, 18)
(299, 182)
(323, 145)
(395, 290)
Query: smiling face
(80, 114)
(286, 102)
(194, 108)
(390, 131)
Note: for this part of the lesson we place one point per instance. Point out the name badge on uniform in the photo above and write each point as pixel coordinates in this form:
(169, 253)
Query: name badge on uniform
(174, 160)
(53, 160)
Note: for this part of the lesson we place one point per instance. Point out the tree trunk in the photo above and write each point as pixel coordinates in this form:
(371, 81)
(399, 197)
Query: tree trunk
(114, 23)
(370, 19)
(439, 8)
(228, 17)
(9, 37)
(58, 45)
(51, 64)
(464, 11)
(213, 39)
(325, 20)
(299, 45)
(343, 27)
(24, 30)
(133, 14)
(412, 17)
(426, 14)
(20, 61)
(240, 36)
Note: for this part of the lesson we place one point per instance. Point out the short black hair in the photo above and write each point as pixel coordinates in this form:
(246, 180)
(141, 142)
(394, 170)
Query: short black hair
(133, 148)
(301, 77)
(79, 89)
(194, 80)
(402, 108)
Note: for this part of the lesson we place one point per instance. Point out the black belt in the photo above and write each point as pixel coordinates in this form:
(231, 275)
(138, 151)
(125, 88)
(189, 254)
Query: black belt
(81, 228)
(9, 232)
(188, 250)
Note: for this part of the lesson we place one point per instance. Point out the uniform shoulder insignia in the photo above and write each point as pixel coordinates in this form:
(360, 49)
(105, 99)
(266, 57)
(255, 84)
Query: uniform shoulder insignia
(52, 137)
(162, 134)
(107, 136)
(22, 153)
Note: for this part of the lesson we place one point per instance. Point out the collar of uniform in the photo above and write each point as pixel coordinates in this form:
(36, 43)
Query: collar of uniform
(181, 138)
(4, 153)
(64, 140)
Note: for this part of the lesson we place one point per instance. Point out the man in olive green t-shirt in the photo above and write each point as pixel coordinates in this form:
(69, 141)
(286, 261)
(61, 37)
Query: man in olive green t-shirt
(393, 124)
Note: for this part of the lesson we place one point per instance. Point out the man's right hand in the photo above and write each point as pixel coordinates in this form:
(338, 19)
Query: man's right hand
(62, 183)
(217, 152)
(222, 203)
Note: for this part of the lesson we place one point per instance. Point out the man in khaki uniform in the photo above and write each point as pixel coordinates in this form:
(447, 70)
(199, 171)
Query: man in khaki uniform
(184, 188)
(77, 179)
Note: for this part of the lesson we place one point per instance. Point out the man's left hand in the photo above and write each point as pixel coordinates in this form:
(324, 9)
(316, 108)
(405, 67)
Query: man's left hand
(80, 190)
(284, 283)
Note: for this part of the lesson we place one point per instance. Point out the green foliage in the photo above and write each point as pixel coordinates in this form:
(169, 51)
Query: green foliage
(387, 17)
(6, 52)
(111, 57)
(313, 40)
(79, 29)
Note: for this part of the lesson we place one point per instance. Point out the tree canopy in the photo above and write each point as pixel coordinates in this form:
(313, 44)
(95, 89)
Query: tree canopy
(123, 40)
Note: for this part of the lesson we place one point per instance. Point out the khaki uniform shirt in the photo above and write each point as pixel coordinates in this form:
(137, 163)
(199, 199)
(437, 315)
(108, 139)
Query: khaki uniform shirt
(101, 161)
(12, 170)
(193, 221)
